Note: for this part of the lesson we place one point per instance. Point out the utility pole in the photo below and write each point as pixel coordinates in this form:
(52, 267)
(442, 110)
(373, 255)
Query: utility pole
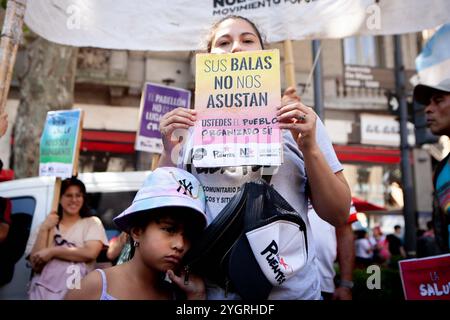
(408, 190)
(318, 83)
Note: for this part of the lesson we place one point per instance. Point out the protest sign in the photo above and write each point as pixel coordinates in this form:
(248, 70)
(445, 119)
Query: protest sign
(426, 278)
(60, 143)
(236, 98)
(156, 101)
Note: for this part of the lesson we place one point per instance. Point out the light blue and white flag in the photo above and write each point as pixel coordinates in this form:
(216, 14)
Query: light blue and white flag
(433, 63)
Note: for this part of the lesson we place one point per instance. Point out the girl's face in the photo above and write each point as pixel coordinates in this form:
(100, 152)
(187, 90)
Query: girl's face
(163, 244)
(72, 200)
(234, 35)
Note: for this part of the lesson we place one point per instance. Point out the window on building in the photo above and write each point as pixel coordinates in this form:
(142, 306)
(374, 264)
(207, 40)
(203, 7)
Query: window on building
(364, 51)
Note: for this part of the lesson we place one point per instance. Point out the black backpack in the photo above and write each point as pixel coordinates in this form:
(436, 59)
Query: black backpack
(225, 256)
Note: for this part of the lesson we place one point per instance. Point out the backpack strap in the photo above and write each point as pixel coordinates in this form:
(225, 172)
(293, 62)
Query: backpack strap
(440, 220)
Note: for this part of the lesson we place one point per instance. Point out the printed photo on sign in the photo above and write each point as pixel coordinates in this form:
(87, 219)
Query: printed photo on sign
(59, 143)
(236, 97)
(156, 101)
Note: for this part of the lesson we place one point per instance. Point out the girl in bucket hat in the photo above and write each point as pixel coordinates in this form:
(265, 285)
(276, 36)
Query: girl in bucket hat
(166, 215)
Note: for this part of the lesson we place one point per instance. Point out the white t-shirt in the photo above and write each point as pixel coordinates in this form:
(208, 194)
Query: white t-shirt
(326, 249)
(220, 184)
(363, 248)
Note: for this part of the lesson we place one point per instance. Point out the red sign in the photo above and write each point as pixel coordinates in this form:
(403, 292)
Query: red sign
(426, 278)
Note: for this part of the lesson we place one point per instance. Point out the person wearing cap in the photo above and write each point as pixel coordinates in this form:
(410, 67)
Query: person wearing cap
(166, 215)
(436, 99)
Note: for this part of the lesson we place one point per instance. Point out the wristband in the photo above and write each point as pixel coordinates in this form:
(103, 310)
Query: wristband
(346, 284)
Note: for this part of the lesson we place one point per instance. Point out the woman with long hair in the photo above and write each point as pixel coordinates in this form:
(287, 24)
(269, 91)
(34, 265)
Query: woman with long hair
(70, 234)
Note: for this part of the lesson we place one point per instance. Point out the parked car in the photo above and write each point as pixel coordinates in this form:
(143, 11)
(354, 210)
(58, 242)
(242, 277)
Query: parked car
(109, 193)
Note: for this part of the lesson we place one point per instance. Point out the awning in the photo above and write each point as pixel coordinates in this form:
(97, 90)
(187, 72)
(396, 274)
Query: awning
(366, 154)
(363, 205)
(108, 141)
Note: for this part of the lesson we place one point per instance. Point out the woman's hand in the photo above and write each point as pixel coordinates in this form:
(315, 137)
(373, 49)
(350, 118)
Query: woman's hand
(40, 259)
(194, 288)
(180, 118)
(51, 221)
(298, 118)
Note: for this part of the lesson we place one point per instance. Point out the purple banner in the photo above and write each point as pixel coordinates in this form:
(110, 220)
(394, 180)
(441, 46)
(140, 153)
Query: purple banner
(157, 100)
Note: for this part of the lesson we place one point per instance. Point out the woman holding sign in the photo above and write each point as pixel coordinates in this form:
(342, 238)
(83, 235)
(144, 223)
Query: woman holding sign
(68, 236)
(310, 168)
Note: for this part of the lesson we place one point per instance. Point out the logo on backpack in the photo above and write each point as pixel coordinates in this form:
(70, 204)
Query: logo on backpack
(276, 262)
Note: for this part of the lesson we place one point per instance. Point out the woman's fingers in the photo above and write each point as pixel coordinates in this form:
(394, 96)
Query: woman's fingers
(181, 112)
(290, 96)
(294, 106)
(295, 113)
(175, 279)
(290, 126)
(178, 119)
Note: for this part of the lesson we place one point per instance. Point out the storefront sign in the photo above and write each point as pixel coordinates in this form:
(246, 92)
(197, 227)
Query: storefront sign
(236, 97)
(383, 130)
(373, 78)
(156, 101)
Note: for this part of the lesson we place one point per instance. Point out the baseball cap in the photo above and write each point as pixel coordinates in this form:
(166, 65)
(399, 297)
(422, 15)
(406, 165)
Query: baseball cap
(165, 187)
(423, 93)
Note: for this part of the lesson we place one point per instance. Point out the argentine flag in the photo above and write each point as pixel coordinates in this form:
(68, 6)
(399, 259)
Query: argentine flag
(433, 63)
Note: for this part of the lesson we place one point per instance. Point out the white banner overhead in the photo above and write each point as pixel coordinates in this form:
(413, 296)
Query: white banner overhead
(161, 25)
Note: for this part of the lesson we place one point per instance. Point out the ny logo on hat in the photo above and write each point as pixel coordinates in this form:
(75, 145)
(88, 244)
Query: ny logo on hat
(185, 186)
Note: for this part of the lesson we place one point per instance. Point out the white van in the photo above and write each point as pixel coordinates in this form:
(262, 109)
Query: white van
(109, 193)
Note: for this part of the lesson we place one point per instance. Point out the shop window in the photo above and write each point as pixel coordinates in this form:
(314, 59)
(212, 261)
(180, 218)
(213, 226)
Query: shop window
(364, 51)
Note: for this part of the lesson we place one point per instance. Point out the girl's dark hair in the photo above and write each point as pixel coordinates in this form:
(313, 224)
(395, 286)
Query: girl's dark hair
(65, 184)
(360, 234)
(214, 27)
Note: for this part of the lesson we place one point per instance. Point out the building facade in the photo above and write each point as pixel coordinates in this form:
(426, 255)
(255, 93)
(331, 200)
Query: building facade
(358, 82)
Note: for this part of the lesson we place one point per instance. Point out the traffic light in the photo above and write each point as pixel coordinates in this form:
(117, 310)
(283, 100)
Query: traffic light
(416, 115)
(394, 106)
